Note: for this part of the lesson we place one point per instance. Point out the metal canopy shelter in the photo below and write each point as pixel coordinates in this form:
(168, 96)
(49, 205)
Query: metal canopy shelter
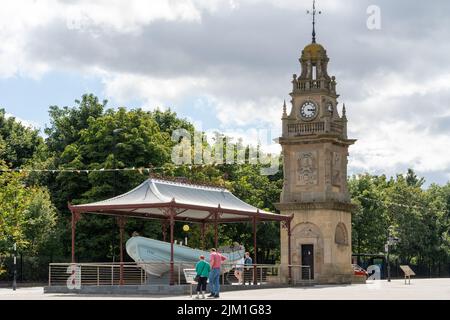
(170, 201)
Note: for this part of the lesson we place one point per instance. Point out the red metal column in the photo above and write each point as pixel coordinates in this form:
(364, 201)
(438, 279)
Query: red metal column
(73, 237)
(164, 230)
(75, 217)
(172, 222)
(216, 232)
(255, 281)
(289, 250)
(121, 221)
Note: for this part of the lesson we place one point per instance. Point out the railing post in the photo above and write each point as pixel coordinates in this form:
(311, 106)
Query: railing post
(172, 222)
(121, 222)
(261, 271)
(112, 274)
(255, 262)
(49, 275)
(309, 274)
(98, 276)
(279, 273)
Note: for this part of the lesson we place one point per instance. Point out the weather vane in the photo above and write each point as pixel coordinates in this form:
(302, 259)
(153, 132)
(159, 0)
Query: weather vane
(313, 13)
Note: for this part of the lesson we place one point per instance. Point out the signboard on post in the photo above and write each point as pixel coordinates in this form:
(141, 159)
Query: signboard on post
(189, 275)
(408, 272)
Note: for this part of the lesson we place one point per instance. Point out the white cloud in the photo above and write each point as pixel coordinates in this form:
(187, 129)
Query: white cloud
(261, 111)
(239, 56)
(128, 16)
(153, 92)
(26, 123)
(19, 18)
(398, 144)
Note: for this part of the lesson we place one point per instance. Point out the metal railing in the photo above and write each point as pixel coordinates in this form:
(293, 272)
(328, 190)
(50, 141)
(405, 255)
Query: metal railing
(108, 274)
(255, 274)
(301, 274)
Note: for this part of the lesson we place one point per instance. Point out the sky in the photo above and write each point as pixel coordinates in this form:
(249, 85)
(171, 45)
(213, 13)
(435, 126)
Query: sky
(226, 65)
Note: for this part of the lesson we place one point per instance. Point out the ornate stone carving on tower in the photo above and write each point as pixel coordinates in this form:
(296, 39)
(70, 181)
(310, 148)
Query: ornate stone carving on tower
(315, 150)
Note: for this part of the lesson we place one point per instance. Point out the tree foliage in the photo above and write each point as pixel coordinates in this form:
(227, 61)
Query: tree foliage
(27, 216)
(87, 136)
(18, 143)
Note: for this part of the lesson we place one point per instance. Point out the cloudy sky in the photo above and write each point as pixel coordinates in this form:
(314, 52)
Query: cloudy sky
(227, 64)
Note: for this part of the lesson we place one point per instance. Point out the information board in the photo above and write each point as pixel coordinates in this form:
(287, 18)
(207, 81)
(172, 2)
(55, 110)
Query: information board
(407, 270)
(189, 275)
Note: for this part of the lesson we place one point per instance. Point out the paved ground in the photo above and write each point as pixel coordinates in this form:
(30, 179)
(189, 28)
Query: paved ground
(420, 289)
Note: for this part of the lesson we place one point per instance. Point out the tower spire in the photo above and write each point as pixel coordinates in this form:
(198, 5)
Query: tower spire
(313, 13)
(284, 109)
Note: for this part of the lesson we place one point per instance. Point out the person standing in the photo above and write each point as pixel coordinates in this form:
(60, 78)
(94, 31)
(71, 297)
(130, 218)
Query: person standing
(202, 268)
(215, 260)
(248, 272)
(238, 271)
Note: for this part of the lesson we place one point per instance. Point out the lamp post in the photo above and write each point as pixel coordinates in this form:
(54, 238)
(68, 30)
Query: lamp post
(186, 229)
(15, 267)
(390, 241)
(388, 263)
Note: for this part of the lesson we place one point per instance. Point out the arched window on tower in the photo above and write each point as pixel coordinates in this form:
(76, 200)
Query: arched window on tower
(314, 72)
(341, 235)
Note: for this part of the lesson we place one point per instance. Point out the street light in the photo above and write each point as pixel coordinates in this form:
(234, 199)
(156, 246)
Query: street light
(390, 241)
(15, 267)
(185, 229)
(386, 247)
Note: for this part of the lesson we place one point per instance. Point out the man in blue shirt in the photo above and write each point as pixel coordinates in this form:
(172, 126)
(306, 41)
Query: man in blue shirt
(248, 271)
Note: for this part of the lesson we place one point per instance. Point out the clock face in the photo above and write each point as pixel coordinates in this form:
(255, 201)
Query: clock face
(308, 110)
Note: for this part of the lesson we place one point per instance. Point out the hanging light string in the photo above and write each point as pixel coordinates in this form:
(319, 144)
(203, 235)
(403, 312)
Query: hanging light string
(133, 169)
(142, 170)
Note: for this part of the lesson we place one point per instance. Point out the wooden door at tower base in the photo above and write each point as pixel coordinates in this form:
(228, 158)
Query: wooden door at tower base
(307, 260)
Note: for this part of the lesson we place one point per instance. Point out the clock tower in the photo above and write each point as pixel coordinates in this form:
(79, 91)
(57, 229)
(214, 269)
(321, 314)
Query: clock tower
(315, 149)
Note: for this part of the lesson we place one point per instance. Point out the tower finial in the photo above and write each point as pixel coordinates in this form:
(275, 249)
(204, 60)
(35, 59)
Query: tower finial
(313, 13)
(284, 109)
(344, 112)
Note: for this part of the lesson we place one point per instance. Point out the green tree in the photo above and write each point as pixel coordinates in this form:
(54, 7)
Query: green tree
(27, 216)
(18, 143)
(370, 220)
(88, 137)
(67, 123)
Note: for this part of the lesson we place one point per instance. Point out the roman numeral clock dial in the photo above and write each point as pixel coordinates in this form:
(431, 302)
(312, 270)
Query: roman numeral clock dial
(308, 110)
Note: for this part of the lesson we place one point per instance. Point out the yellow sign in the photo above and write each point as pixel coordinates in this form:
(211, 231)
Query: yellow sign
(186, 228)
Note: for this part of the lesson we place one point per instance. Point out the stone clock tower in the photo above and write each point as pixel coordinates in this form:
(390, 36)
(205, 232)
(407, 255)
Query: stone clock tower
(315, 149)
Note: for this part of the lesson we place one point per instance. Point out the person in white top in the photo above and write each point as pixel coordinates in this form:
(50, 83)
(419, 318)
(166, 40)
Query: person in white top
(238, 270)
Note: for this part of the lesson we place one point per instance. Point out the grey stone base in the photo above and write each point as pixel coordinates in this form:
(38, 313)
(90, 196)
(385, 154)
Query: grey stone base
(150, 289)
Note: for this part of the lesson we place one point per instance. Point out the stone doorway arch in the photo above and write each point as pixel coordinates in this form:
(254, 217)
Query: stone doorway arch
(304, 234)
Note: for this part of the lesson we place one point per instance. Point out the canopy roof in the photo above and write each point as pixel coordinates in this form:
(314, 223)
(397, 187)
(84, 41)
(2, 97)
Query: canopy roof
(155, 199)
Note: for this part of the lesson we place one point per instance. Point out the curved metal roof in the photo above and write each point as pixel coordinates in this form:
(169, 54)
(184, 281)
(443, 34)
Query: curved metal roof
(154, 197)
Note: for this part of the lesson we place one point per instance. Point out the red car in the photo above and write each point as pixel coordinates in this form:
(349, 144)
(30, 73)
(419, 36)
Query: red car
(358, 271)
